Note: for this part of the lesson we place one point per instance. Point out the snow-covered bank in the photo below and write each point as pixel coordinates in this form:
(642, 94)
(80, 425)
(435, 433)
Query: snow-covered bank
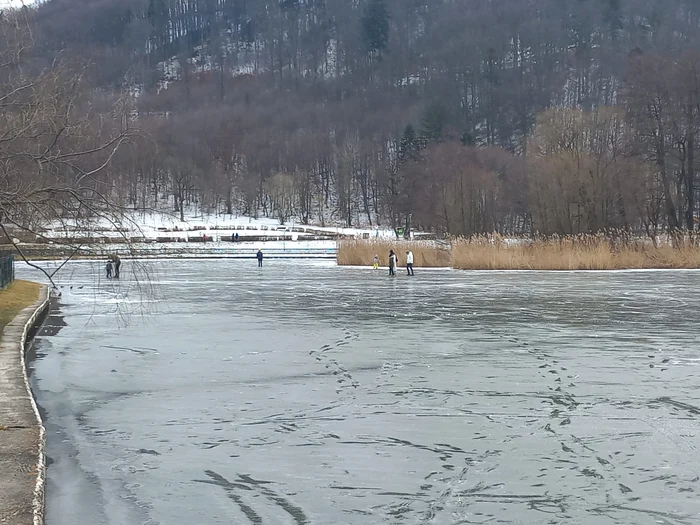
(163, 227)
(237, 250)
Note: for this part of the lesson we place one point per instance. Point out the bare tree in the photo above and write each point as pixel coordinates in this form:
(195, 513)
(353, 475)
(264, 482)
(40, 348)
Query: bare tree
(54, 148)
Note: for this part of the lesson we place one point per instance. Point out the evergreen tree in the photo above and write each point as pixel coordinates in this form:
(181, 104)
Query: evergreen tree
(287, 5)
(434, 123)
(614, 19)
(375, 26)
(468, 138)
(409, 146)
(158, 18)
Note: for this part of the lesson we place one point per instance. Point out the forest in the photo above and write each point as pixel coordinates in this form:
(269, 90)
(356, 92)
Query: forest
(458, 117)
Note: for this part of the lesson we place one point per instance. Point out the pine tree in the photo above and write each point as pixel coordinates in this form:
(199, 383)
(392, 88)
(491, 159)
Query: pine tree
(467, 138)
(158, 18)
(409, 146)
(614, 19)
(434, 123)
(375, 26)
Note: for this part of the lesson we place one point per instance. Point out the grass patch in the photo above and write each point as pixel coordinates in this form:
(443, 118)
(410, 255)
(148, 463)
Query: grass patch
(426, 254)
(16, 298)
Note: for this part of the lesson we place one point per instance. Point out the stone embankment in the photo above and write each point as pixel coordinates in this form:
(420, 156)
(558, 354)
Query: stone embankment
(22, 436)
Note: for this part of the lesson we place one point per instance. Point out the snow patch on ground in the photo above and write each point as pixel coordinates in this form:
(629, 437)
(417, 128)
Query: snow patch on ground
(213, 249)
(152, 226)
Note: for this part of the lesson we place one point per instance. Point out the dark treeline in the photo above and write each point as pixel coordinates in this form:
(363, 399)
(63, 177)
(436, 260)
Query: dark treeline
(459, 116)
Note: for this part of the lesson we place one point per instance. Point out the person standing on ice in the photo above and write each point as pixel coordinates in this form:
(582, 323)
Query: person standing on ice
(409, 262)
(393, 261)
(260, 258)
(117, 264)
(376, 262)
(109, 269)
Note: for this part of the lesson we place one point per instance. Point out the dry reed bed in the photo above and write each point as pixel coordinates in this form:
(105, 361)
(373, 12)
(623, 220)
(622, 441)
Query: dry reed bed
(592, 252)
(361, 253)
(570, 253)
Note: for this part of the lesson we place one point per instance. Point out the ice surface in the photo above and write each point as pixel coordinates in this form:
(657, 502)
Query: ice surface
(307, 393)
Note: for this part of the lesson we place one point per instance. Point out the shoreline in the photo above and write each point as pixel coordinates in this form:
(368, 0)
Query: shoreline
(584, 254)
(519, 270)
(187, 257)
(381, 269)
(23, 435)
(211, 250)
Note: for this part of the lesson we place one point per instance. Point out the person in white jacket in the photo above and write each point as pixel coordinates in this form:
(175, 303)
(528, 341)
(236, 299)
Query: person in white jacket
(409, 262)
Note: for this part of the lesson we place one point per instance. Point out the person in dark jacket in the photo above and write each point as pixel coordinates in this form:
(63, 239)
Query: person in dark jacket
(260, 258)
(393, 262)
(117, 265)
(109, 269)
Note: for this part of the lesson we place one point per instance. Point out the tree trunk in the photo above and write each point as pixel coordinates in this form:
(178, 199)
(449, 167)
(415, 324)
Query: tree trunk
(670, 208)
(690, 174)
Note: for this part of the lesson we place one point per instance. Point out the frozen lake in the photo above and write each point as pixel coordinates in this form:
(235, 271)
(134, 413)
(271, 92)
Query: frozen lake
(304, 393)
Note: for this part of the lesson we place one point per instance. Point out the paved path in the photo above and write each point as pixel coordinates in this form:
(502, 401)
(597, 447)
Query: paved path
(21, 431)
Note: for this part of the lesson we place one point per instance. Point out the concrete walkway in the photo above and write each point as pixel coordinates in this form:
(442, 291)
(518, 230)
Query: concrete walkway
(22, 466)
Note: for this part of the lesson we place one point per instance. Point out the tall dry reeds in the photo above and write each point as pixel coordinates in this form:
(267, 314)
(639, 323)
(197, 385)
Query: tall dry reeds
(580, 252)
(426, 254)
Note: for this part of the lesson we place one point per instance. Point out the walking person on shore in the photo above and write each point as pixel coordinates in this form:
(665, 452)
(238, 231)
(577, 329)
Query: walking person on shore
(260, 258)
(409, 262)
(393, 261)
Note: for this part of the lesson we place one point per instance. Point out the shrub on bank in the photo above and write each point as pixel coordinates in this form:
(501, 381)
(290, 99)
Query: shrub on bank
(426, 254)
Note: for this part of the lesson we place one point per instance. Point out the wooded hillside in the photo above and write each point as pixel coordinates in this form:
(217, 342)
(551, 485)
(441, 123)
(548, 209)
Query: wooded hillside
(459, 116)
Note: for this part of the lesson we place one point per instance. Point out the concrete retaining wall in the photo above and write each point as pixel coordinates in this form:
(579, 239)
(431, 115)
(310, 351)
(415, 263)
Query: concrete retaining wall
(22, 435)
